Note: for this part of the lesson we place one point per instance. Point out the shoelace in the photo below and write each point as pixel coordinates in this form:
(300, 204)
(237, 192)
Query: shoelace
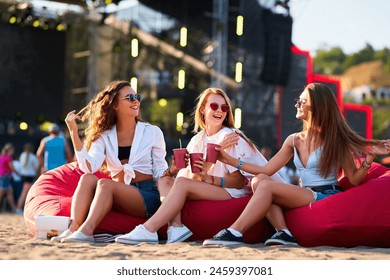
(221, 233)
(279, 233)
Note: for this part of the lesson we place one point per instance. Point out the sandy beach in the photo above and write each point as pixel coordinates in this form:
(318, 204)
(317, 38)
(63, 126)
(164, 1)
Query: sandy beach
(17, 244)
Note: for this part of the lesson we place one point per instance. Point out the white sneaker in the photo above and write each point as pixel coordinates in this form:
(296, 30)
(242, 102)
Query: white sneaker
(178, 234)
(63, 235)
(138, 235)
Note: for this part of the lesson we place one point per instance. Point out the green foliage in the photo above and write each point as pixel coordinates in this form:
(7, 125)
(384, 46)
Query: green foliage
(381, 120)
(163, 117)
(334, 61)
(329, 62)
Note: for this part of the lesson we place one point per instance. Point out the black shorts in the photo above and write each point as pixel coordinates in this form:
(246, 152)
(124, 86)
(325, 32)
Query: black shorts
(28, 179)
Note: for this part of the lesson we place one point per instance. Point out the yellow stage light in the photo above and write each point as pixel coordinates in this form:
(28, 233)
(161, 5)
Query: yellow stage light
(237, 117)
(181, 79)
(163, 102)
(23, 126)
(238, 76)
(183, 36)
(240, 26)
(179, 121)
(134, 47)
(134, 83)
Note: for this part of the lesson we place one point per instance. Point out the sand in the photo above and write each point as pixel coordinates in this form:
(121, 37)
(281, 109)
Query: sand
(17, 244)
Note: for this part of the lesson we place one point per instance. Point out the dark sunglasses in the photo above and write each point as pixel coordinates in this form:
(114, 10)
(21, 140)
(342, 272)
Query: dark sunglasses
(298, 102)
(214, 106)
(133, 97)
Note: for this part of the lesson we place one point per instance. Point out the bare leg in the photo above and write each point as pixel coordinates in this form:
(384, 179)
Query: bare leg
(1, 197)
(164, 186)
(266, 194)
(82, 199)
(112, 195)
(10, 199)
(275, 214)
(22, 197)
(276, 218)
(182, 189)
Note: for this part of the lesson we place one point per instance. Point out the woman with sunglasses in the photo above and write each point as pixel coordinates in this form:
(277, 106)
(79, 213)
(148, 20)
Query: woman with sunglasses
(117, 141)
(325, 147)
(214, 119)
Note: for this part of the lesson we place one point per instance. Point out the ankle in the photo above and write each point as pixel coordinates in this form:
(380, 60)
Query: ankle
(73, 225)
(149, 229)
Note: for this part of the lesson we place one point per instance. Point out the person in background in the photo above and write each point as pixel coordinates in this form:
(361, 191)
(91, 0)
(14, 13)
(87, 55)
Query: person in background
(29, 170)
(53, 150)
(6, 169)
(324, 148)
(117, 141)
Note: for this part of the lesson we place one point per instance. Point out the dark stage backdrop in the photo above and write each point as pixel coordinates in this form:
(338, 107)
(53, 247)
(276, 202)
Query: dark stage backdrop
(31, 73)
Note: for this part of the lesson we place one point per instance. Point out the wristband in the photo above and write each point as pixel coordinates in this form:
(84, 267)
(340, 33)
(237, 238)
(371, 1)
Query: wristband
(212, 179)
(222, 181)
(168, 173)
(239, 165)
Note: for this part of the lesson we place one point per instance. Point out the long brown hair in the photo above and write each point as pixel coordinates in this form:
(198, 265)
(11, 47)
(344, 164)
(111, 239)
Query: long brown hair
(99, 115)
(28, 149)
(199, 120)
(327, 127)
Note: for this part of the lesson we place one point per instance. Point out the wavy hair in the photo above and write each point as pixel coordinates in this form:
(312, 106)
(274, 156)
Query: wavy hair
(327, 127)
(199, 120)
(99, 114)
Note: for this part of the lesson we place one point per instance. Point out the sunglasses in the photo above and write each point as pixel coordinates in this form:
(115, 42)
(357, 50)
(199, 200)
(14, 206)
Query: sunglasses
(133, 97)
(299, 102)
(214, 106)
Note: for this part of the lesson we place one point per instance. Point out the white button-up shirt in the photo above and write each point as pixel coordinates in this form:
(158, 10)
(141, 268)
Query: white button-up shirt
(147, 153)
(242, 151)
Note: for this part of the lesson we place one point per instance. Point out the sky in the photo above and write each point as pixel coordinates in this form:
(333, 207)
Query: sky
(349, 24)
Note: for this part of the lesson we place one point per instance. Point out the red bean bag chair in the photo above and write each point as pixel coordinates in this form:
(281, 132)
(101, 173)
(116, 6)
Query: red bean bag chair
(52, 194)
(358, 216)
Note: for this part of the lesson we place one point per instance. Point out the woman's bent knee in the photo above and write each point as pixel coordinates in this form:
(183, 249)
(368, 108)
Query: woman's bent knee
(259, 179)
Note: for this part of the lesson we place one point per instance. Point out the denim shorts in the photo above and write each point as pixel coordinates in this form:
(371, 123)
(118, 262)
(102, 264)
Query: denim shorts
(150, 196)
(5, 182)
(326, 192)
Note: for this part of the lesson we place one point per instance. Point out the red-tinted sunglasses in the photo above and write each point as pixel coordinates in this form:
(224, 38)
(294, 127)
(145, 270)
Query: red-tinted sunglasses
(214, 106)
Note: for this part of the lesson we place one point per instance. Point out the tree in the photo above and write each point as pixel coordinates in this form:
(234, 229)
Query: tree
(329, 61)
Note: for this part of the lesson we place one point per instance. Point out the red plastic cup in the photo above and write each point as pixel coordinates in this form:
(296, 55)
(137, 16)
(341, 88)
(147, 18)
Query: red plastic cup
(195, 157)
(212, 154)
(180, 157)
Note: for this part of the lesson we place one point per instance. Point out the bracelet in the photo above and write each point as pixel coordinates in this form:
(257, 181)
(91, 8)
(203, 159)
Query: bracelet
(366, 165)
(222, 181)
(168, 173)
(212, 179)
(239, 165)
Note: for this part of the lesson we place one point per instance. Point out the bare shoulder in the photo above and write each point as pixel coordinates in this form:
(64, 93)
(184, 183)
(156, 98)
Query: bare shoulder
(290, 139)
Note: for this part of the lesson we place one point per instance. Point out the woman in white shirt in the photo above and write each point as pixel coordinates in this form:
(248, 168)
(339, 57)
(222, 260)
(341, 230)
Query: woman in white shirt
(131, 150)
(29, 167)
(214, 119)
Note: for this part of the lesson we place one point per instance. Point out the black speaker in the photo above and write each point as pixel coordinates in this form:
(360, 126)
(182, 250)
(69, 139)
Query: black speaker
(277, 54)
(359, 117)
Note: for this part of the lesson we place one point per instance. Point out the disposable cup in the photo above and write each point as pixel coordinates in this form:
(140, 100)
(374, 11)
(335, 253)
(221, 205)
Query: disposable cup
(180, 157)
(211, 153)
(195, 157)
